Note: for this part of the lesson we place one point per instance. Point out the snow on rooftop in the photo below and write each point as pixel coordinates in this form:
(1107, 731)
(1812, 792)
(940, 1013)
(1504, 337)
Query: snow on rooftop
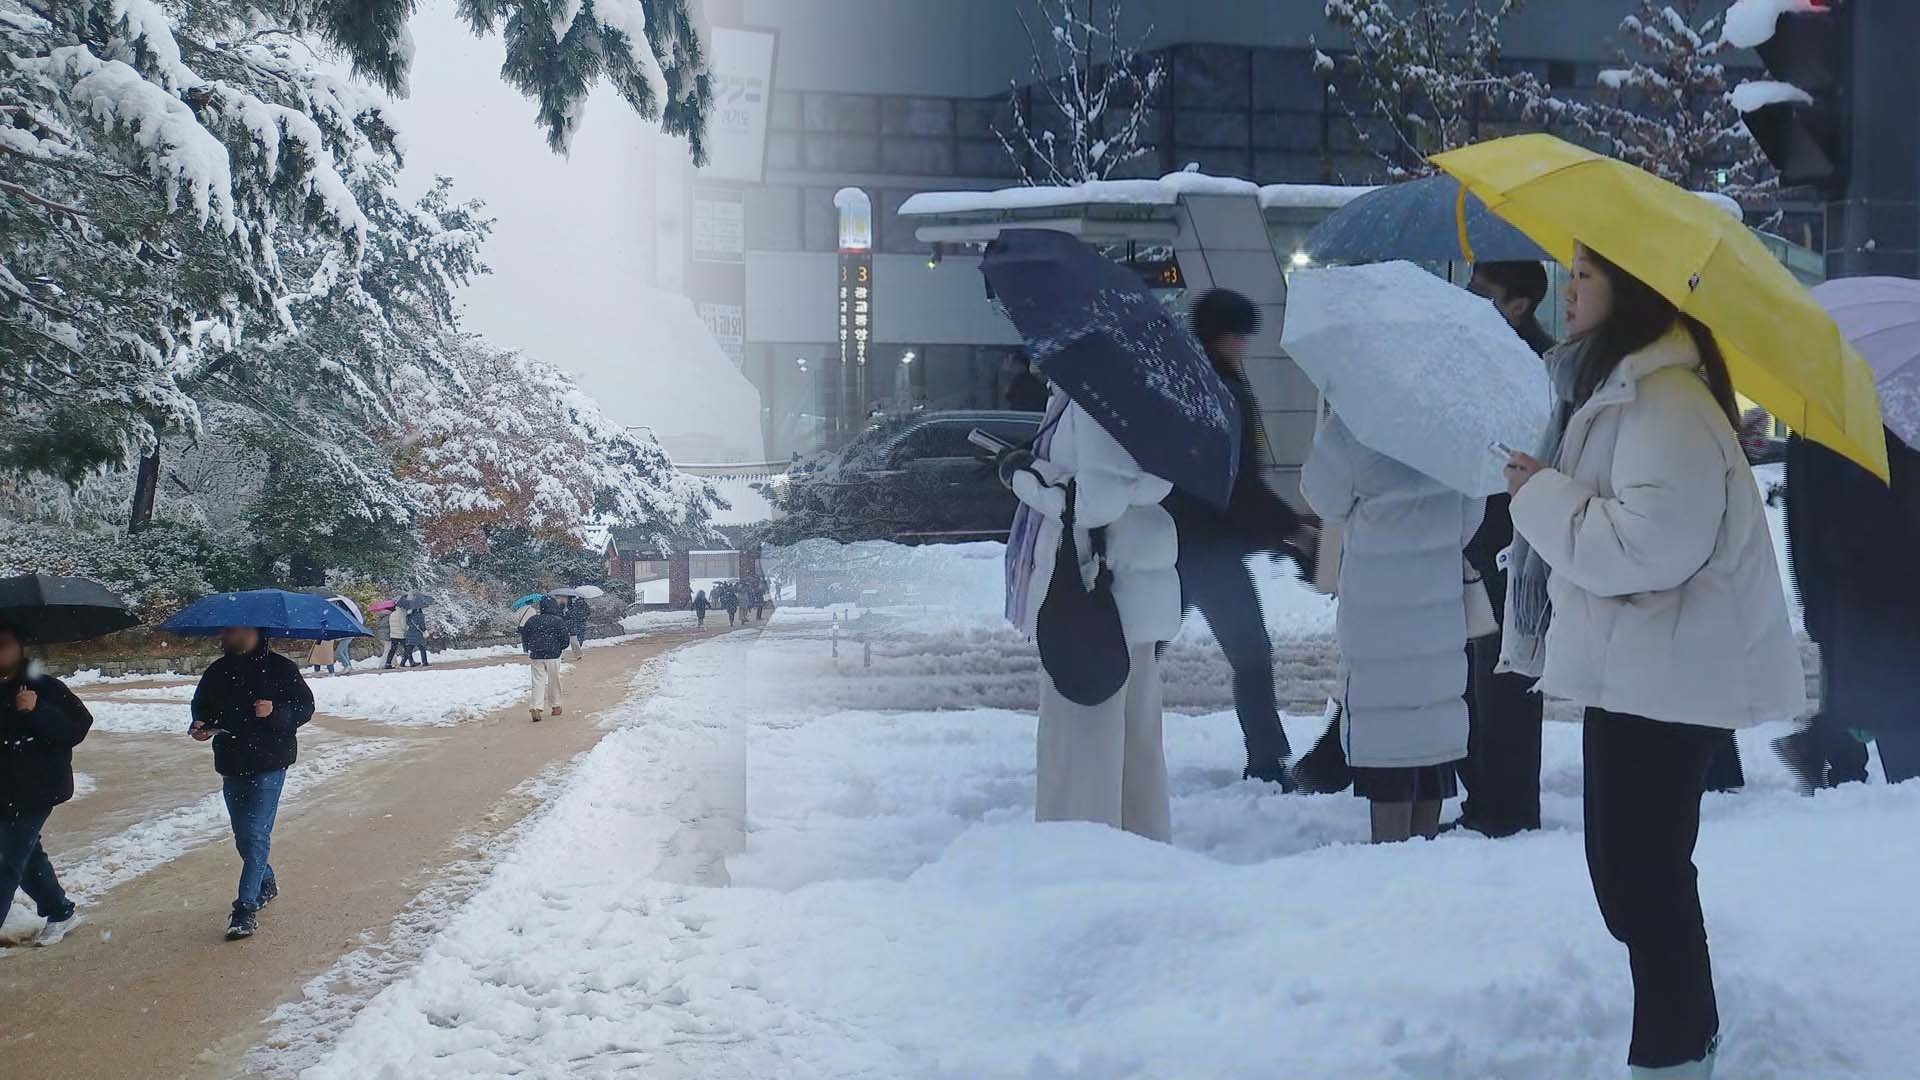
(1165, 191)
(1750, 23)
(1759, 93)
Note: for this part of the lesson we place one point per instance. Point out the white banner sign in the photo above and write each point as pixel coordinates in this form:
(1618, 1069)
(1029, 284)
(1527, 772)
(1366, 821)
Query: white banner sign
(728, 324)
(741, 66)
(719, 226)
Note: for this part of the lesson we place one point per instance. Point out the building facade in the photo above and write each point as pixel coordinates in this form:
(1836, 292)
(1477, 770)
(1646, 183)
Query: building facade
(898, 97)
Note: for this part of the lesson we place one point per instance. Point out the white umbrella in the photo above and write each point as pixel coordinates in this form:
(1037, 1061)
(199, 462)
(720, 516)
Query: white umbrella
(584, 592)
(1423, 372)
(351, 607)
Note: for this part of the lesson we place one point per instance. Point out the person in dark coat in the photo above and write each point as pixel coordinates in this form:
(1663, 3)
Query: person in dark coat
(1215, 544)
(576, 614)
(544, 637)
(1854, 547)
(700, 606)
(40, 724)
(251, 703)
(417, 635)
(1502, 768)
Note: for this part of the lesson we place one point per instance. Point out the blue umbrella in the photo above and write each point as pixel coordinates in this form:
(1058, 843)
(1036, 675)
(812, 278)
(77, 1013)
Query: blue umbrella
(276, 612)
(1092, 327)
(1418, 221)
(530, 598)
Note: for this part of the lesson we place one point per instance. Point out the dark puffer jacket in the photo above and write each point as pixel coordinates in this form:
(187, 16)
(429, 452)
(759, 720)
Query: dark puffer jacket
(545, 635)
(1256, 519)
(244, 744)
(36, 748)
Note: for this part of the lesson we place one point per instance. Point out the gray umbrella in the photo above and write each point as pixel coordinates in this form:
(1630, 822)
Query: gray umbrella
(1419, 221)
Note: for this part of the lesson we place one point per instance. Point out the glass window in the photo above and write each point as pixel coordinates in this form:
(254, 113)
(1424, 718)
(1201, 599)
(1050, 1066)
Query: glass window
(713, 564)
(649, 570)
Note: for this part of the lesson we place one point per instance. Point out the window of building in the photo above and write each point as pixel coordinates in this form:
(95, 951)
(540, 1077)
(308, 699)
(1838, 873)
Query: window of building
(649, 570)
(702, 565)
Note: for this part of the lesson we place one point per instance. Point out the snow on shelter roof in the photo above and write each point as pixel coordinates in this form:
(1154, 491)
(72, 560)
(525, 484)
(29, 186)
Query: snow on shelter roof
(1750, 23)
(1165, 191)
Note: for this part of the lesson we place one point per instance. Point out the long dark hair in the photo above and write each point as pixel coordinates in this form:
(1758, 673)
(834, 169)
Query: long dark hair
(1640, 317)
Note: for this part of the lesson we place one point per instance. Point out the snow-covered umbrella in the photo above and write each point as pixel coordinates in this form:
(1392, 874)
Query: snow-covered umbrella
(1419, 370)
(584, 592)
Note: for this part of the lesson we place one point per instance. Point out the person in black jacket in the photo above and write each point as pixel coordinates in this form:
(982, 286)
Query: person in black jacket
(1215, 544)
(545, 638)
(1854, 547)
(250, 703)
(577, 614)
(40, 724)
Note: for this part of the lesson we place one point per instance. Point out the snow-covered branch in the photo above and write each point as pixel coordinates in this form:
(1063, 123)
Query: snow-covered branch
(1098, 90)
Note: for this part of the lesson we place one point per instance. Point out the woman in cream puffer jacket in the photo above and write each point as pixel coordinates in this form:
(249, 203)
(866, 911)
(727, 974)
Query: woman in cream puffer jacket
(1667, 621)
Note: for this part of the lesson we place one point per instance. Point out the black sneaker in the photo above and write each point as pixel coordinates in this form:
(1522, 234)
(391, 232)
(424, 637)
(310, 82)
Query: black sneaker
(242, 925)
(268, 890)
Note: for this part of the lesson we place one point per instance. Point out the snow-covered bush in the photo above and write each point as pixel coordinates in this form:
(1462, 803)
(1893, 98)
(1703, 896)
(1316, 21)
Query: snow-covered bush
(157, 571)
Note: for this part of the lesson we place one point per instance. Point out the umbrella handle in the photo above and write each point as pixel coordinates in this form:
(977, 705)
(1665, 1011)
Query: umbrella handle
(1460, 223)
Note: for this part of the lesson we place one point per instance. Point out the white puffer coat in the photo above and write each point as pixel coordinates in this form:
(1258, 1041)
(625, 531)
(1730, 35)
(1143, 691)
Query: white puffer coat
(1402, 621)
(1666, 593)
(1111, 490)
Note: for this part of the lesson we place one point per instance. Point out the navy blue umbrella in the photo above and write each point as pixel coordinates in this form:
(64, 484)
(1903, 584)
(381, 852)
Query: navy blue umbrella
(1419, 221)
(1093, 328)
(276, 612)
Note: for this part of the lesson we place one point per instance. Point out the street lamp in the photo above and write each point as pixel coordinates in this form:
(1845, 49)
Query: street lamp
(1302, 259)
(907, 357)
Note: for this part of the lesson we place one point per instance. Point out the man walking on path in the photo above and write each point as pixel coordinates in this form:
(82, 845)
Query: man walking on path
(251, 702)
(700, 606)
(417, 634)
(576, 615)
(1214, 546)
(397, 638)
(545, 638)
(40, 724)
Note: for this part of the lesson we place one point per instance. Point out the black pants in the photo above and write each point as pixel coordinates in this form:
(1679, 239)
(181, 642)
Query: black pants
(1644, 780)
(393, 649)
(1502, 768)
(24, 866)
(1215, 579)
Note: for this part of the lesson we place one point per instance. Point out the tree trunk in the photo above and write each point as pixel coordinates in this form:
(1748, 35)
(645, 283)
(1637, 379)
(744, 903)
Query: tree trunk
(146, 484)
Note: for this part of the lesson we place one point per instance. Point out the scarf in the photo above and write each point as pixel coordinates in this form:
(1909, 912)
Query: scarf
(1529, 611)
(1024, 537)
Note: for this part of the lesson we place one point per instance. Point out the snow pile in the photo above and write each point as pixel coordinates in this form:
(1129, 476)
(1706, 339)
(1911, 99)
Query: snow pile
(137, 718)
(1165, 191)
(1760, 93)
(640, 622)
(93, 677)
(410, 698)
(1750, 23)
(1310, 196)
(894, 900)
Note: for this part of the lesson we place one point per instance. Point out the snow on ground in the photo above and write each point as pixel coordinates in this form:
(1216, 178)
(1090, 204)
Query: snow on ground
(414, 697)
(894, 913)
(138, 717)
(92, 677)
(153, 842)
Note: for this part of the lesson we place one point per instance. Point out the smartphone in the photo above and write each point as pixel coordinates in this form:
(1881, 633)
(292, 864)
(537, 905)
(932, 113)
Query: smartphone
(992, 444)
(1501, 450)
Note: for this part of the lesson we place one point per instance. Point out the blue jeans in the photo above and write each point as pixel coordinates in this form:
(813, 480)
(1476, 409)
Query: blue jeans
(24, 865)
(252, 803)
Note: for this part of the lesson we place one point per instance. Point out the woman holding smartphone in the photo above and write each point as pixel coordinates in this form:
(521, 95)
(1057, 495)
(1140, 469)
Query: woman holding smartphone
(1642, 550)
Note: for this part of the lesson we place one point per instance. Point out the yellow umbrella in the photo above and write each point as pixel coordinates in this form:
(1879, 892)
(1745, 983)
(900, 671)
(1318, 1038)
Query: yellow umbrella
(1783, 350)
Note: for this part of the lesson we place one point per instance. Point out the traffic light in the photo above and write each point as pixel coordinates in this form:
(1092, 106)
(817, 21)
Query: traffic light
(1806, 139)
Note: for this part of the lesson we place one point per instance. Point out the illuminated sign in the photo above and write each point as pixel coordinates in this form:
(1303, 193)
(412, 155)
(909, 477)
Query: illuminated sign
(1160, 273)
(856, 306)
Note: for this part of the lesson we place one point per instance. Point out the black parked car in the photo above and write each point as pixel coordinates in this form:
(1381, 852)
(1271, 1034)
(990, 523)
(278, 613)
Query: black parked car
(914, 480)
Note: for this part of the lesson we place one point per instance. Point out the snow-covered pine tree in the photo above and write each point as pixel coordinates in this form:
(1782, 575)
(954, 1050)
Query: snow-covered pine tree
(1421, 72)
(1667, 108)
(1092, 96)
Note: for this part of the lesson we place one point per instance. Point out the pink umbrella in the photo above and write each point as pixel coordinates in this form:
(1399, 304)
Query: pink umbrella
(1880, 316)
(382, 605)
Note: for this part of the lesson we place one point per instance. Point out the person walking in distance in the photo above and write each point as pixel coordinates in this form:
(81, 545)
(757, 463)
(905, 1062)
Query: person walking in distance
(1502, 767)
(700, 606)
(397, 638)
(40, 724)
(576, 614)
(1402, 626)
(251, 703)
(545, 639)
(417, 634)
(1215, 544)
(1643, 586)
(1105, 762)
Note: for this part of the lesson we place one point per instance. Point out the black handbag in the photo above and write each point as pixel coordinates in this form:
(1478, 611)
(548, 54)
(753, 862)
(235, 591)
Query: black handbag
(1082, 645)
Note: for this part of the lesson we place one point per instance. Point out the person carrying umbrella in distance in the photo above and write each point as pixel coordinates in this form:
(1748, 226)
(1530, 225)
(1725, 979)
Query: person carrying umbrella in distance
(397, 636)
(1136, 409)
(1642, 582)
(416, 608)
(251, 704)
(544, 637)
(700, 606)
(1215, 544)
(41, 721)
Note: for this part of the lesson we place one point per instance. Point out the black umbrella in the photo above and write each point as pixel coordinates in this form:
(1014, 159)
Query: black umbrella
(1094, 329)
(49, 610)
(1420, 221)
(414, 601)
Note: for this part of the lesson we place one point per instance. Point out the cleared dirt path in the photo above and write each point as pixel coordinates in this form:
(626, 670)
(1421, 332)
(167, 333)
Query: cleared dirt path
(147, 988)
